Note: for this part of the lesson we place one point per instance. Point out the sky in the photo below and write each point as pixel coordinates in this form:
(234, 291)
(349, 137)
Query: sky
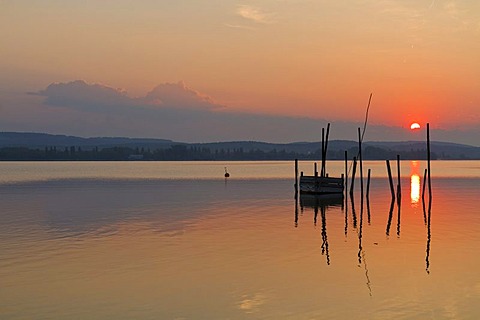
(218, 70)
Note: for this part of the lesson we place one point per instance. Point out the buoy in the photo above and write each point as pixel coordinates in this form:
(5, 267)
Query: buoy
(226, 173)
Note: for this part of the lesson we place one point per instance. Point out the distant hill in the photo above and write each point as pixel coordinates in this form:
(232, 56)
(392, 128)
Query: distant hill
(53, 147)
(442, 150)
(41, 140)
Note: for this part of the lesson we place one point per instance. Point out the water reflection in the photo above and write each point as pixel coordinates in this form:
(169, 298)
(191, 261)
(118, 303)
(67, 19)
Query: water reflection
(324, 234)
(390, 215)
(427, 218)
(361, 252)
(354, 214)
(414, 183)
(429, 239)
(399, 206)
(238, 245)
(415, 188)
(322, 203)
(317, 201)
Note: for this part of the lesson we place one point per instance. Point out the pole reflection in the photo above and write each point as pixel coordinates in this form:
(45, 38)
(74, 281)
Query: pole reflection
(319, 204)
(361, 253)
(324, 234)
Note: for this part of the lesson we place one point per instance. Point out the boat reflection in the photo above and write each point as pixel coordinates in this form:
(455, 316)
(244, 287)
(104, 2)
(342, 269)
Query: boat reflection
(319, 203)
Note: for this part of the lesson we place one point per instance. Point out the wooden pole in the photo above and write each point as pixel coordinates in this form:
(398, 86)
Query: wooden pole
(424, 184)
(353, 175)
(360, 158)
(392, 190)
(345, 183)
(323, 152)
(296, 175)
(399, 187)
(428, 160)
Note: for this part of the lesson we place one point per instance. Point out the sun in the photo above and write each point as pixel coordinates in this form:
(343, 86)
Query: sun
(415, 126)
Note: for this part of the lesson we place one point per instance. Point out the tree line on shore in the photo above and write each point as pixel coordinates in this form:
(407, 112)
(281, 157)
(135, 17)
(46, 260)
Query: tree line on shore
(194, 153)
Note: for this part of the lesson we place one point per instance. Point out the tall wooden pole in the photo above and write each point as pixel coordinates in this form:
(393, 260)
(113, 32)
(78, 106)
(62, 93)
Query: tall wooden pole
(360, 158)
(353, 176)
(296, 176)
(399, 186)
(428, 160)
(323, 152)
(345, 183)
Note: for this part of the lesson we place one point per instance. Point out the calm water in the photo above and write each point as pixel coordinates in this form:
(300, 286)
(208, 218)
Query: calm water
(174, 240)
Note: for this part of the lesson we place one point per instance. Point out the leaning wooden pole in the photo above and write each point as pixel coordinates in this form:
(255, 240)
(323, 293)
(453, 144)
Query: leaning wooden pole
(354, 171)
(325, 151)
(389, 170)
(428, 161)
(361, 162)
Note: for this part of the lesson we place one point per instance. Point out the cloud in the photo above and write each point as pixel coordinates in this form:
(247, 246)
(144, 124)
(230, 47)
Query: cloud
(254, 14)
(178, 95)
(79, 94)
(100, 98)
(238, 26)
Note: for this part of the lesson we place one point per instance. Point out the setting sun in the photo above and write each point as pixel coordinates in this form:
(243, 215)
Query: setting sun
(414, 126)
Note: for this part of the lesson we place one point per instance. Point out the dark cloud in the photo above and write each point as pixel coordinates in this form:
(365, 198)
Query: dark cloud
(81, 95)
(100, 98)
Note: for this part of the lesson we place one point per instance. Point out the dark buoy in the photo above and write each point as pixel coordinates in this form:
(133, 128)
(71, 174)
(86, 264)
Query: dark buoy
(226, 173)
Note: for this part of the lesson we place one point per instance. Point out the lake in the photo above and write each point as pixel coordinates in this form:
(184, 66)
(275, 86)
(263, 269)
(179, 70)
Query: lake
(176, 240)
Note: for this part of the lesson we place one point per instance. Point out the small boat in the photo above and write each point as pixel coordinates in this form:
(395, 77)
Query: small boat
(321, 184)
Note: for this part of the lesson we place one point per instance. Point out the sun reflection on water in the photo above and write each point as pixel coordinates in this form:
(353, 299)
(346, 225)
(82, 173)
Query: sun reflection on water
(414, 183)
(415, 188)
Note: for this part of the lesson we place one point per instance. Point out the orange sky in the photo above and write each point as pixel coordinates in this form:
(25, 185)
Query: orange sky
(319, 59)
